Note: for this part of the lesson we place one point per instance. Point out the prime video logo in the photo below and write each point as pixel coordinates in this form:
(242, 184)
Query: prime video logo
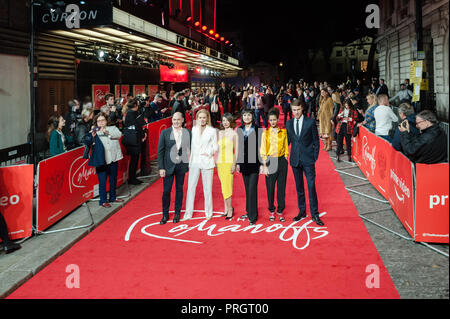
(373, 19)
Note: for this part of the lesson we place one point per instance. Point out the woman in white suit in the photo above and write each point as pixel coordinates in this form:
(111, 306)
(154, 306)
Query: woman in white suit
(203, 148)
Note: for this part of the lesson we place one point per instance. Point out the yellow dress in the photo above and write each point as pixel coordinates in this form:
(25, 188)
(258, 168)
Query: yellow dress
(224, 162)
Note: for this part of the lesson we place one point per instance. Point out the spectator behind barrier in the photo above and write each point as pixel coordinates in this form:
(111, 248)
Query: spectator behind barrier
(406, 112)
(384, 116)
(430, 146)
(58, 141)
(83, 126)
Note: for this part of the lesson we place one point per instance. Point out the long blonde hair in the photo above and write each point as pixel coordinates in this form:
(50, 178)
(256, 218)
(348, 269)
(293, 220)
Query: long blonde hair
(373, 97)
(208, 116)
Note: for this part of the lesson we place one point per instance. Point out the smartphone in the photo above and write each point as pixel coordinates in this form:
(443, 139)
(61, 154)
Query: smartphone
(96, 129)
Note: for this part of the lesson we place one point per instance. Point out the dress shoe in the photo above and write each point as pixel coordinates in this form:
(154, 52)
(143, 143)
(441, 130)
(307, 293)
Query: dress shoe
(253, 223)
(10, 247)
(338, 159)
(176, 219)
(244, 216)
(164, 220)
(317, 220)
(118, 200)
(106, 205)
(300, 216)
(350, 159)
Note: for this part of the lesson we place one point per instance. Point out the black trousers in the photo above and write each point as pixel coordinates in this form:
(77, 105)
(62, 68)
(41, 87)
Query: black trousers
(278, 178)
(225, 106)
(215, 118)
(287, 111)
(145, 165)
(134, 161)
(310, 174)
(251, 195)
(3, 230)
(178, 175)
(340, 140)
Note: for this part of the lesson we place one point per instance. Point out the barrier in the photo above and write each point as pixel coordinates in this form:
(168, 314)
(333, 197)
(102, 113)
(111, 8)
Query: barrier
(418, 194)
(65, 182)
(16, 199)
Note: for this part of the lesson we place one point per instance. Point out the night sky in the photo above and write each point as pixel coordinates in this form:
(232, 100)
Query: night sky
(282, 30)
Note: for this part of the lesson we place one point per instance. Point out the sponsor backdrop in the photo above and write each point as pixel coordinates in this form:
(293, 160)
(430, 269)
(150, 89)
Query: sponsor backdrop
(16, 199)
(391, 173)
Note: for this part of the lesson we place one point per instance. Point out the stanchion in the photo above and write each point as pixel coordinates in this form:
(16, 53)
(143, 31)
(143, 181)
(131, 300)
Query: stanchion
(69, 228)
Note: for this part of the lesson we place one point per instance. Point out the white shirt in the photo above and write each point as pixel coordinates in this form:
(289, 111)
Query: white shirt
(203, 143)
(178, 133)
(384, 116)
(113, 152)
(300, 125)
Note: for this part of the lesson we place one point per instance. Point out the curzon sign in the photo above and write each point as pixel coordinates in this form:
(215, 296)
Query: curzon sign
(75, 16)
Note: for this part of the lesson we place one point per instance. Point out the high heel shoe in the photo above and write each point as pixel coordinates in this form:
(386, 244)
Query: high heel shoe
(231, 217)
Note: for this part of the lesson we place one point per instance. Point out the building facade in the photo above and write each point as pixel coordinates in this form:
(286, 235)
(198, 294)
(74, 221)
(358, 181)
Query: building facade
(397, 47)
(352, 58)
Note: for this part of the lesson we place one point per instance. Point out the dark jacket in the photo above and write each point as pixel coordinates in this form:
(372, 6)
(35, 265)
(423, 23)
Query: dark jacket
(80, 131)
(97, 157)
(167, 150)
(179, 106)
(305, 149)
(134, 118)
(248, 158)
(429, 147)
(268, 101)
(396, 141)
(223, 95)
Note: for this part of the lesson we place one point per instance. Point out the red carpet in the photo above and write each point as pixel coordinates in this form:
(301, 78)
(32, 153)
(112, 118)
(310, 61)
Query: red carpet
(132, 256)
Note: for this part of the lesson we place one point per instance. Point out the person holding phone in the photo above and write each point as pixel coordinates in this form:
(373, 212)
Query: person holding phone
(105, 157)
(345, 121)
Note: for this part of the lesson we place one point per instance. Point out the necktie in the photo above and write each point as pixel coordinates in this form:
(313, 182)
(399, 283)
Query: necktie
(297, 127)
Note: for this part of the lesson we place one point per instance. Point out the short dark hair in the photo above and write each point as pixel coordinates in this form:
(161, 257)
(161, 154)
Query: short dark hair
(274, 111)
(428, 115)
(230, 118)
(109, 95)
(132, 103)
(297, 102)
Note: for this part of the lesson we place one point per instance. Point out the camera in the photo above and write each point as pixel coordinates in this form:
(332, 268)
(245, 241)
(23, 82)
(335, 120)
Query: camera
(96, 129)
(404, 124)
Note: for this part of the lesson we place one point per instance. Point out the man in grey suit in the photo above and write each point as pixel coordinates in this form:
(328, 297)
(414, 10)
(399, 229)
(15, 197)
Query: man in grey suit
(173, 163)
(304, 138)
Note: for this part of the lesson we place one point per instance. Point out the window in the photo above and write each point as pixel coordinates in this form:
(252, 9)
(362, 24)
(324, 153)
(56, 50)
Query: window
(352, 53)
(338, 52)
(364, 66)
(365, 52)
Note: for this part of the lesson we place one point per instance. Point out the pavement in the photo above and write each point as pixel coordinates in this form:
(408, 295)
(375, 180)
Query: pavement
(418, 272)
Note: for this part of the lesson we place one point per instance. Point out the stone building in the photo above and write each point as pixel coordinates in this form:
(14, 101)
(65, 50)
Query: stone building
(397, 47)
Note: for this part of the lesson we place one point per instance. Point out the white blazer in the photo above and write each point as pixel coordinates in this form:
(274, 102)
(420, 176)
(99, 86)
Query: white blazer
(205, 143)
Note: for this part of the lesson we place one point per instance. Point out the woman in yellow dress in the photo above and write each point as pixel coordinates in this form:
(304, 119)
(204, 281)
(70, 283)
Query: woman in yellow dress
(226, 160)
(325, 115)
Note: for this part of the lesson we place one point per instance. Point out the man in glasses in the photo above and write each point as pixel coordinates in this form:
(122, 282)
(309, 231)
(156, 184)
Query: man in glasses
(430, 146)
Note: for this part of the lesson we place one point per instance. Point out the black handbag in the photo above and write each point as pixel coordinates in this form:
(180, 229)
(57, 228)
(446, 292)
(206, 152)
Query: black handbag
(130, 136)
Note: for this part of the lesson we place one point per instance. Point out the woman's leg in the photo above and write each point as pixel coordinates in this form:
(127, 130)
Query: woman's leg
(207, 180)
(194, 174)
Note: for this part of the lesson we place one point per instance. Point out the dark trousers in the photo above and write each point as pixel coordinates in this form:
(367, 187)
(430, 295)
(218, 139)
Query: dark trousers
(251, 195)
(340, 140)
(279, 178)
(287, 111)
(145, 165)
(310, 173)
(3, 230)
(225, 106)
(103, 172)
(259, 113)
(134, 161)
(215, 118)
(178, 175)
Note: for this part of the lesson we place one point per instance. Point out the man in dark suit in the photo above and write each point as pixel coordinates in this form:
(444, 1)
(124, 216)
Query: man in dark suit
(173, 162)
(224, 97)
(382, 89)
(302, 134)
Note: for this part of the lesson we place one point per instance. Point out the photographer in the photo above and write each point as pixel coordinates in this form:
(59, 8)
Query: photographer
(105, 157)
(430, 146)
(134, 136)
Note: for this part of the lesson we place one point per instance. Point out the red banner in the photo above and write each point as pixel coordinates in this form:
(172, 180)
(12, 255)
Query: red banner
(65, 182)
(98, 94)
(152, 90)
(369, 152)
(16, 199)
(138, 90)
(122, 92)
(154, 130)
(432, 222)
(179, 73)
(401, 188)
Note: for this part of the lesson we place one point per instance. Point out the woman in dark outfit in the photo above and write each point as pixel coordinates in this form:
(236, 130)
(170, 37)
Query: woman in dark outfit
(134, 121)
(248, 163)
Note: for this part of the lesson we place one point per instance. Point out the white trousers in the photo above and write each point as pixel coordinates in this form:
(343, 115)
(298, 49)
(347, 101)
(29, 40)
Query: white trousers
(207, 181)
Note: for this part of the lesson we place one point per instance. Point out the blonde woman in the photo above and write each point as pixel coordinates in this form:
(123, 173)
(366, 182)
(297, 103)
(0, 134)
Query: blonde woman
(369, 117)
(203, 148)
(325, 114)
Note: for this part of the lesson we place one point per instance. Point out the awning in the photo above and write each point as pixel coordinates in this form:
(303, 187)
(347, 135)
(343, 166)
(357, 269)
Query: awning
(137, 35)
